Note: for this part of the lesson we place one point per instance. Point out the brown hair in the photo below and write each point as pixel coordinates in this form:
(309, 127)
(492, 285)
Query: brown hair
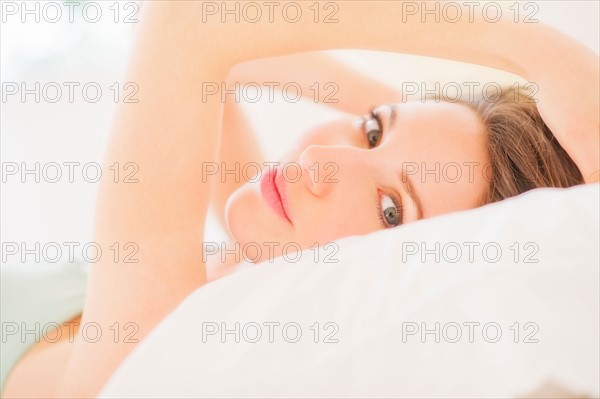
(522, 151)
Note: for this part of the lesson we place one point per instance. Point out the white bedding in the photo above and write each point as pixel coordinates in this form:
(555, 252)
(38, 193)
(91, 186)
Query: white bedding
(372, 295)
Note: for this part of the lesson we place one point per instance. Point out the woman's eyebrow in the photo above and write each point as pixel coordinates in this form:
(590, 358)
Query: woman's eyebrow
(412, 193)
(393, 115)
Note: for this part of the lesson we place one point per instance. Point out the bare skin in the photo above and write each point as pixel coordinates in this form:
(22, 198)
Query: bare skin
(238, 144)
(171, 139)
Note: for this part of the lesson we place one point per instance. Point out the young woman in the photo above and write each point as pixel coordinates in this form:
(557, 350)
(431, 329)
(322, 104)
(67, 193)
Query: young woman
(174, 131)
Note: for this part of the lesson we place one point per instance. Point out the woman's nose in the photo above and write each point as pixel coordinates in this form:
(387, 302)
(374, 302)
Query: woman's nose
(324, 166)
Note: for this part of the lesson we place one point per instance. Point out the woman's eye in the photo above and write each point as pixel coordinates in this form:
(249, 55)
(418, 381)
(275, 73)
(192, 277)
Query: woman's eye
(389, 211)
(373, 129)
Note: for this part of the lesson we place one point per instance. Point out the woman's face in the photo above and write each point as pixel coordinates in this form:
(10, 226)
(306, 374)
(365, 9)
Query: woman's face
(361, 174)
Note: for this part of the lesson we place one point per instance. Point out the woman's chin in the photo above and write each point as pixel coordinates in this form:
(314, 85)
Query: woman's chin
(249, 219)
(243, 215)
(234, 214)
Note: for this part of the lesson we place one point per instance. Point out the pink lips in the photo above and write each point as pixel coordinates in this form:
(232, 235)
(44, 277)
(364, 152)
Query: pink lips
(273, 191)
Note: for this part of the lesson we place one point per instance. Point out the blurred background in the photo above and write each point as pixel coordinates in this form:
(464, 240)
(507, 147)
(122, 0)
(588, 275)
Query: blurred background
(82, 51)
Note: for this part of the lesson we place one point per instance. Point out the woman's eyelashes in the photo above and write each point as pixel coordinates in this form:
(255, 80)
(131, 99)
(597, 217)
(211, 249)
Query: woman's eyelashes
(389, 210)
(373, 128)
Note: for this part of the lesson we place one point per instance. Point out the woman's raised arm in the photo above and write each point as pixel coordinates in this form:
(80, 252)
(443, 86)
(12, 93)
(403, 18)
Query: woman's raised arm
(565, 72)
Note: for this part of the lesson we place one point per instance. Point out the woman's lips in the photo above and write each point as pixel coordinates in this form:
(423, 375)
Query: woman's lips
(272, 187)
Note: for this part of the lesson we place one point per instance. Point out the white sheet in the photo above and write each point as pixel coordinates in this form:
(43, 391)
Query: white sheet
(370, 293)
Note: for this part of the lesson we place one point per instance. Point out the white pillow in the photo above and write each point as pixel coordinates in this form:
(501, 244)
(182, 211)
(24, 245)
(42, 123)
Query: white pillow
(375, 297)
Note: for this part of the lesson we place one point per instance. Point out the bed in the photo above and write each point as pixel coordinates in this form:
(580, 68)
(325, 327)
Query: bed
(500, 301)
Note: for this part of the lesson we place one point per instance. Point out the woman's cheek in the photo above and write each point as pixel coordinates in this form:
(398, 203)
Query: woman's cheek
(325, 229)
